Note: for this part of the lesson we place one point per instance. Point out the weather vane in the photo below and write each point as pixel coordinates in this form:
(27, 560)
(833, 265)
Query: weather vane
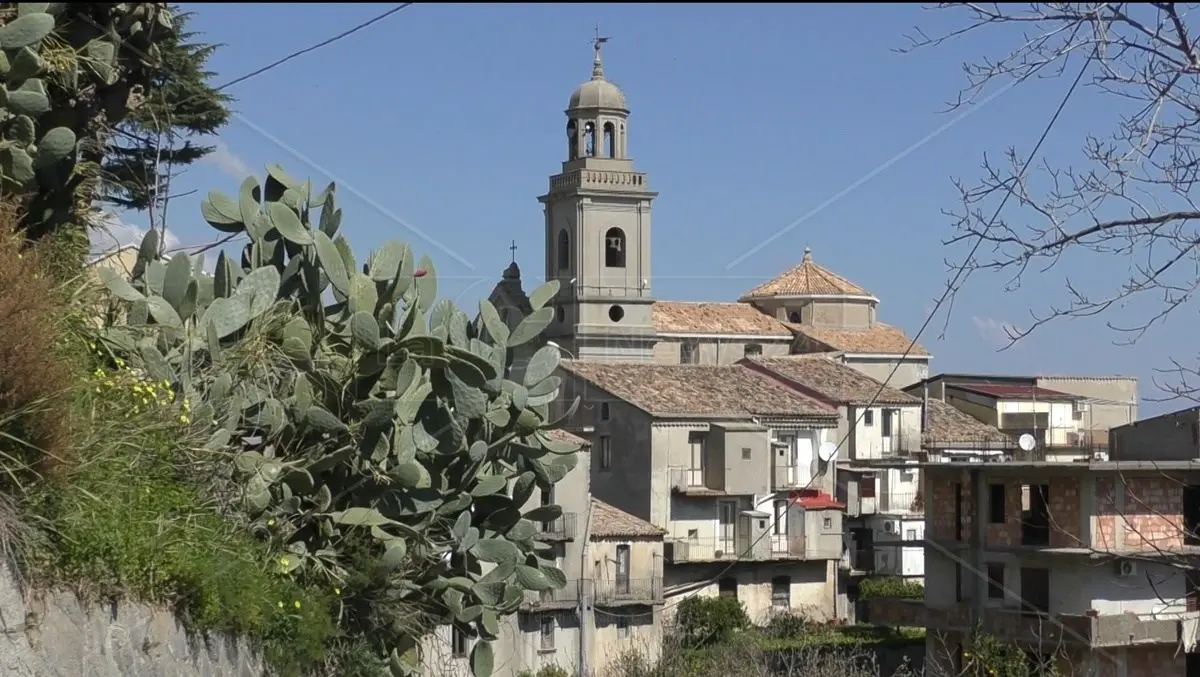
(599, 40)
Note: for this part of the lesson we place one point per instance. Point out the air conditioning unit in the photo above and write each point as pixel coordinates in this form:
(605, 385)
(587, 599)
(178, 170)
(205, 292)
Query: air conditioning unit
(1126, 568)
(889, 527)
(1100, 456)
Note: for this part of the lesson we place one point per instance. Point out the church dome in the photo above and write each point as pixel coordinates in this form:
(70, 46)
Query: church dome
(598, 92)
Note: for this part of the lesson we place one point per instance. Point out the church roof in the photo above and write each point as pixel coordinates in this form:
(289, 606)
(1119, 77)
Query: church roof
(611, 522)
(806, 279)
(691, 390)
(702, 317)
(510, 289)
(835, 381)
(878, 339)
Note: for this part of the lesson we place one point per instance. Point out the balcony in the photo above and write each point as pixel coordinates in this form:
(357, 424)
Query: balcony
(561, 528)
(700, 549)
(790, 476)
(901, 502)
(868, 447)
(690, 482)
(1032, 628)
(1052, 442)
(562, 598)
(629, 591)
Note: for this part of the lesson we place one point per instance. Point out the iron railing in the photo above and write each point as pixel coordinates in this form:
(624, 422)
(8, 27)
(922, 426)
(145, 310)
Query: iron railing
(628, 591)
(561, 528)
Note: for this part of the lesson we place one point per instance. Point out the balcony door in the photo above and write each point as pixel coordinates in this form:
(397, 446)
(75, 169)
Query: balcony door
(697, 463)
(622, 570)
(886, 430)
(726, 521)
(785, 459)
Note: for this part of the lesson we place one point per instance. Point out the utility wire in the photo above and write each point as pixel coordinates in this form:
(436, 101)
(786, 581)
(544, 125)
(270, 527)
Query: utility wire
(951, 287)
(315, 47)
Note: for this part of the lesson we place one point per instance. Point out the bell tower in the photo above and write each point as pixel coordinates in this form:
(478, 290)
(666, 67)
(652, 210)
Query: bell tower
(598, 231)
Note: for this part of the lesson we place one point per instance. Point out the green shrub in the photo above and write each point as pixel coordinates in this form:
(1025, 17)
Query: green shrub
(546, 671)
(890, 586)
(703, 621)
(790, 624)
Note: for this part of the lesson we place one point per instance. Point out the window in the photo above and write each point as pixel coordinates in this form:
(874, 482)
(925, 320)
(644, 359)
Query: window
(604, 413)
(693, 534)
(780, 526)
(885, 422)
(753, 349)
(996, 509)
(688, 351)
(727, 587)
(910, 534)
(995, 574)
(866, 485)
(605, 453)
(547, 633)
(623, 565)
(868, 418)
(614, 248)
(622, 626)
(459, 644)
(564, 250)
(746, 453)
(828, 524)
(794, 317)
(781, 592)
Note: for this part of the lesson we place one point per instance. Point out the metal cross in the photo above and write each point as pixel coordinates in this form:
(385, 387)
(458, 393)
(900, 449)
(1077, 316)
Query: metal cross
(513, 249)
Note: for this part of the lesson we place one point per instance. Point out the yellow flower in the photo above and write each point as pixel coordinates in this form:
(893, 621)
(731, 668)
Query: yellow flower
(297, 604)
(184, 420)
(271, 522)
(337, 591)
(280, 605)
(283, 561)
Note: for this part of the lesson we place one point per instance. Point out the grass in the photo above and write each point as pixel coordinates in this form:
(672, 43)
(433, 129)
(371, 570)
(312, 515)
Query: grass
(129, 520)
(865, 636)
(121, 511)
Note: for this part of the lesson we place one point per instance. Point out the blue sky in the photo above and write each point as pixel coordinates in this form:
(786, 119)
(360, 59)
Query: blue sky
(448, 118)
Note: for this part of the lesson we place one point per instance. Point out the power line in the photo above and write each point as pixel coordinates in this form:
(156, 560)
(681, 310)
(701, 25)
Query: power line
(315, 47)
(950, 288)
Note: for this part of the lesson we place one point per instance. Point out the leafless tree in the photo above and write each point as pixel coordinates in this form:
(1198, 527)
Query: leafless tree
(1129, 206)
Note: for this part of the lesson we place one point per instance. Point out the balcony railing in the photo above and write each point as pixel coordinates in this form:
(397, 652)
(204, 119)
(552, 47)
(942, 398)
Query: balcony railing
(1033, 628)
(1056, 440)
(868, 447)
(690, 481)
(628, 591)
(786, 476)
(561, 528)
(565, 596)
(901, 502)
(702, 549)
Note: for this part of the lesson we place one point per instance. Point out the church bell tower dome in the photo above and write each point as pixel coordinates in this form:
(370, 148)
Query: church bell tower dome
(598, 93)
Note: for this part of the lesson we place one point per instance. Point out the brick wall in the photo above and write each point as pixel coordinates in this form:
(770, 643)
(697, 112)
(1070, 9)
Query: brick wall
(1065, 507)
(1155, 661)
(1009, 533)
(1105, 537)
(940, 512)
(1153, 507)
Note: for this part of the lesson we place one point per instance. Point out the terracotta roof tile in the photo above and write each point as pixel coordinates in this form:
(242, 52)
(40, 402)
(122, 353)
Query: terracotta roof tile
(697, 390)
(880, 338)
(685, 317)
(806, 279)
(568, 438)
(610, 522)
(834, 380)
(945, 425)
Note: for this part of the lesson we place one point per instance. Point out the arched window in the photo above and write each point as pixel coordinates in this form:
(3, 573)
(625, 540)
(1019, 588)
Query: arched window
(610, 140)
(564, 250)
(572, 140)
(614, 248)
(589, 139)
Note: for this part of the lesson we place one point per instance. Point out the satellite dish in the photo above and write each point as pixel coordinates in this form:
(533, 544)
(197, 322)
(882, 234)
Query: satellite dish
(826, 450)
(1026, 442)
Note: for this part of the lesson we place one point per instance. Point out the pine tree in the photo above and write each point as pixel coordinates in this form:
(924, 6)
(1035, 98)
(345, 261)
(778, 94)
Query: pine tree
(160, 136)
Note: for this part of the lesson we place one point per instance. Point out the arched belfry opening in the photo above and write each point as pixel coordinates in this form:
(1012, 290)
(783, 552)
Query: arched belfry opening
(614, 248)
(589, 139)
(610, 140)
(572, 140)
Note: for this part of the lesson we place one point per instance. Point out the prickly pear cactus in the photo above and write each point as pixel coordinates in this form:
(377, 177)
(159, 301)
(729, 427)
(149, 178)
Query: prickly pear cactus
(69, 72)
(356, 402)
